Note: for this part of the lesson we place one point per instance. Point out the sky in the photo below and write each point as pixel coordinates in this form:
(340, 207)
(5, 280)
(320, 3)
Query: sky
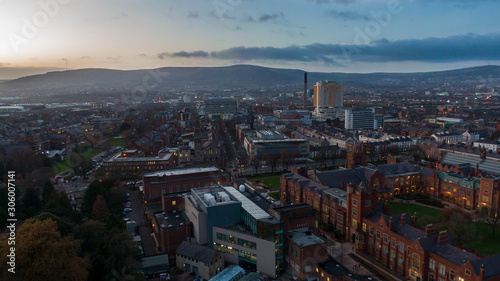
(313, 35)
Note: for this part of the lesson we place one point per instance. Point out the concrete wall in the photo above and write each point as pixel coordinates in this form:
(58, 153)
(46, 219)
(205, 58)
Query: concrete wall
(204, 271)
(199, 220)
(265, 250)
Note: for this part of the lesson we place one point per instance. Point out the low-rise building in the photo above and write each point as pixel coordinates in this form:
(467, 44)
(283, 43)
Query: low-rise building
(304, 251)
(170, 229)
(199, 260)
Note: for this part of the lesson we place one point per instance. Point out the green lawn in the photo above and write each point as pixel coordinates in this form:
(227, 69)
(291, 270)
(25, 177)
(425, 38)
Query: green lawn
(274, 194)
(91, 152)
(271, 182)
(60, 167)
(399, 208)
(485, 245)
(116, 142)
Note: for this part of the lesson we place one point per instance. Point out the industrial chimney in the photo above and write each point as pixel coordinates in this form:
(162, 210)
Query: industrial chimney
(305, 90)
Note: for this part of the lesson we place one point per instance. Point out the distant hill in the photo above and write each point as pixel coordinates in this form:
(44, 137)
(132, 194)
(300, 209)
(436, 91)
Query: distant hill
(230, 77)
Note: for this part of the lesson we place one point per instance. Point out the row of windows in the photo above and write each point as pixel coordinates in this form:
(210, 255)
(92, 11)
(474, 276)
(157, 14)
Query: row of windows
(236, 240)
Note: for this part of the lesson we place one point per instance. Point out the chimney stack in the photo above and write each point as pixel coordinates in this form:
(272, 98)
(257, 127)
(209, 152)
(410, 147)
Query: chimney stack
(391, 223)
(386, 207)
(403, 218)
(415, 219)
(305, 90)
(428, 230)
(481, 272)
(442, 237)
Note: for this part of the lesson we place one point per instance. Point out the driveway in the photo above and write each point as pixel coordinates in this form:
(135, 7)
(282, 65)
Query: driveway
(144, 229)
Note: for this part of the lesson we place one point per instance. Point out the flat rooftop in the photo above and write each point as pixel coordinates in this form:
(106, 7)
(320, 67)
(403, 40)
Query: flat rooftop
(185, 171)
(253, 209)
(171, 219)
(291, 207)
(118, 158)
(216, 192)
(304, 237)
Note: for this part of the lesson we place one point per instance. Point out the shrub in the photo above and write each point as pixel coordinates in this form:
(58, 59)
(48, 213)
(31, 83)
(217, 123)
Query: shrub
(431, 202)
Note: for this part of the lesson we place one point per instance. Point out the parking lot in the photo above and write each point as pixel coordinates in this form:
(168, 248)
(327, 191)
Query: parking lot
(144, 230)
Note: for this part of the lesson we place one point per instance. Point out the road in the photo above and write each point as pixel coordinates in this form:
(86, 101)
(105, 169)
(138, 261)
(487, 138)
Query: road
(250, 170)
(144, 229)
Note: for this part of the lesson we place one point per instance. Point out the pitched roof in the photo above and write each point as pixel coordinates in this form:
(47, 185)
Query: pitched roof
(491, 267)
(196, 252)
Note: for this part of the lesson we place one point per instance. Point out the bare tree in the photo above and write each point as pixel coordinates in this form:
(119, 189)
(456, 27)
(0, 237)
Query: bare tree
(490, 216)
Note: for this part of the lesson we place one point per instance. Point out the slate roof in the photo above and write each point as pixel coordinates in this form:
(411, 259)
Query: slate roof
(406, 230)
(305, 182)
(360, 174)
(453, 254)
(196, 252)
(491, 267)
(396, 169)
(489, 166)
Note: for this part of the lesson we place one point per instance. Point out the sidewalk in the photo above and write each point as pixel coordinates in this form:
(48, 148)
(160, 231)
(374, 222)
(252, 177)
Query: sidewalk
(341, 251)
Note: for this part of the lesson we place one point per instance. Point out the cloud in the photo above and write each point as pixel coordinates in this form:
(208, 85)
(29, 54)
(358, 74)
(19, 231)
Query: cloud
(345, 2)
(114, 59)
(193, 15)
(85, 58)
(347, 15)
(274, 18)
(456, 48)
(142, 55)
(291, 53)
(183, 54)
(224, 16)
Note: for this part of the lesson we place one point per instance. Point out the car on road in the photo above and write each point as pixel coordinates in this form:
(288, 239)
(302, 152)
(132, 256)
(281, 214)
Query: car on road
(126, 219)
(127, 209)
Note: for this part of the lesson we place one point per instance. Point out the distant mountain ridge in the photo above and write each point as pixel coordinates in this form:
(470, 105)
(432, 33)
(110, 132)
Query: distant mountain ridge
(229, 77)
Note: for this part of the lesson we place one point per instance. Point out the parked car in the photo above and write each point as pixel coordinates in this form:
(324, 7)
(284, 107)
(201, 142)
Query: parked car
(127, 209)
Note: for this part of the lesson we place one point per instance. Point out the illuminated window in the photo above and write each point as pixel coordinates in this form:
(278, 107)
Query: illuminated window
(416, 261)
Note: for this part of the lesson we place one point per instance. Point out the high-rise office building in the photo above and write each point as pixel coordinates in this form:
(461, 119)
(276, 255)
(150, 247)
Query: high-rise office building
(360, 119)
(328, 98)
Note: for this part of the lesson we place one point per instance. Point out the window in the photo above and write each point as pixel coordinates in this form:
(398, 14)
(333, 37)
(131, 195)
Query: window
(370, 241)
(432, 264)
(393, 242)
(355, 202)
(173, 203)
(371, 230)
(431, 277)
(354, 212)
(400, 260)
(378, 234)
(354, 223)
(384, 251)
(442, 269)
(452, 275)
(364, 227)
(416, 261)
(401, 247)
(385, 238)
(467, 272)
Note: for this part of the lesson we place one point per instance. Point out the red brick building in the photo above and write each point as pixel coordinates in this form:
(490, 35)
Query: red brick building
(296, 216)
(395, 242)
(181, 180)
(170, 229)
(305, 251)
(131, 161)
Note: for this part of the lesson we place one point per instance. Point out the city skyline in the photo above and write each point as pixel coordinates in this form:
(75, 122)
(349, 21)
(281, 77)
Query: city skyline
(313, 35)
